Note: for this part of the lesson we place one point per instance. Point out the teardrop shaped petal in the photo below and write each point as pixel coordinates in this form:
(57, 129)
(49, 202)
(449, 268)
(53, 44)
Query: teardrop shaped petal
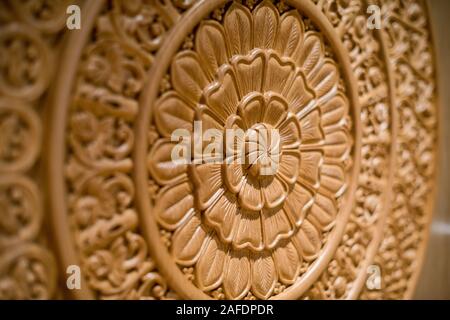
(264, 277)
(291, 31)
(266, 23)
(334, 111)
(161, 165)
(287, 262)
(210, 45)
(323, 211)
(337, 144)
(173, 204)
(172, 113)
(237, 279)
(309, 240)
(250, 196)
(188, 242)
(209, 270)
(312, 53)
(238, 28)
(326, 80)
(188, 76)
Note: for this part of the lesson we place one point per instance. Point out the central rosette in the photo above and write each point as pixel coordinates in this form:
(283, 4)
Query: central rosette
(267, 207)
(262, 150)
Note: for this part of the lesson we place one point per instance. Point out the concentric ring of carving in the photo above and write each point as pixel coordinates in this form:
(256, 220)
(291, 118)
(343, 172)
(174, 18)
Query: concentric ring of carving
(237, 232)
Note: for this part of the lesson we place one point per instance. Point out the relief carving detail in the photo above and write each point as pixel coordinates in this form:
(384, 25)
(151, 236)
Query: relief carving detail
(355, 158)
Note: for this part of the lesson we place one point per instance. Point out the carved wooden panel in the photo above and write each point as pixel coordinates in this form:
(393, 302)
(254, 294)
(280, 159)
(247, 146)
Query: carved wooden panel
(87, 176)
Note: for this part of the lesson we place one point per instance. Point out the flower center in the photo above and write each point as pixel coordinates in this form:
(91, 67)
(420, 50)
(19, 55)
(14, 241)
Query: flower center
(262, 150)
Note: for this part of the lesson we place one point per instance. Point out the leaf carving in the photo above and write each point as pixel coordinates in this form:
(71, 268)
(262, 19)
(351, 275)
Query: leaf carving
(265, 25)
(264, 277)
(173, 203)
(188, 241)
(238, 279)
(238, 28)
(309, 240)
(312, 52)
(287, 263)
(210, 266)
(291, 33)
(210, 43)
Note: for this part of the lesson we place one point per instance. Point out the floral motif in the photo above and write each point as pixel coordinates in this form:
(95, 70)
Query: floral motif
(240, 229)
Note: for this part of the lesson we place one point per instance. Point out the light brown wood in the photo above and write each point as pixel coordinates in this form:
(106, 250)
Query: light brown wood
(88, 177)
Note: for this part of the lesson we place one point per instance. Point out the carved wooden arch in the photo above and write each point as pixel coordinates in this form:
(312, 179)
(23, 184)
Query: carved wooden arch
(357, 115)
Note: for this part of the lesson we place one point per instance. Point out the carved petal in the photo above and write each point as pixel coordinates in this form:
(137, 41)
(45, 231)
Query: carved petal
(172, 113)
(310, 163)
(188, 241)
(162, 168)
(250, 196)
(222, 98)
(188, 76)
(297, 203)
(238, 28)
(274, 191)
(275, 110)
(334, 111)
(288, 167)
(309, 240)
(278, 74)
(289, 133)
(323, 210)
(237, 280)
(172, 204)
(298, 95)
(209, 270)
(310, 128)
(332, 178)
(264, 277)
(291, 34)
(249, 72)
(233, 176)
(210, 44)
(326, 80)
(337, 144)
(266, 25)
(249, 233)
(312, 53)
(287, 263)
(276, 226)
(224, 215)
(253, 107)
(207, 180)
